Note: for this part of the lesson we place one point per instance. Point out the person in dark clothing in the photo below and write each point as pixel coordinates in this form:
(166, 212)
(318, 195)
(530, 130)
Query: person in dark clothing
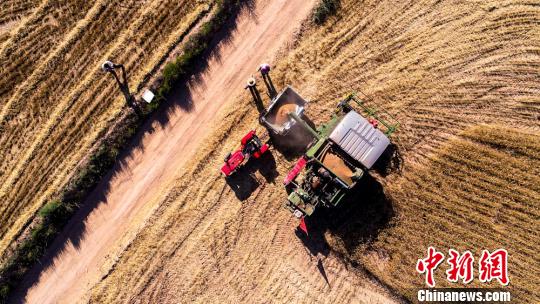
(265, 73)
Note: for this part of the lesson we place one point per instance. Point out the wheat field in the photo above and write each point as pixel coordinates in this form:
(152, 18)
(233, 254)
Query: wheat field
(479, 191)
(12, 12)
(56, 101)
(463, 79)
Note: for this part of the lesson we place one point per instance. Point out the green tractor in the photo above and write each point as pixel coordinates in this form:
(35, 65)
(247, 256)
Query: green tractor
(342, 150)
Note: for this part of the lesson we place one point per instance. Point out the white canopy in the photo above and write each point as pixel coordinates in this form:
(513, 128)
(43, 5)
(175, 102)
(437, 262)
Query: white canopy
(356, 136)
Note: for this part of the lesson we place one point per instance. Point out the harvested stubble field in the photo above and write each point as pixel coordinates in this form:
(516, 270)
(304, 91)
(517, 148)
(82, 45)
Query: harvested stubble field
(12, 12)
(462, 78)
(479, 191)
(56, 103)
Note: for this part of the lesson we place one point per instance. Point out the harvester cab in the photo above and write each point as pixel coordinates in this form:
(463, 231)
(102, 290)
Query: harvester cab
(342, 150)
(251, 146)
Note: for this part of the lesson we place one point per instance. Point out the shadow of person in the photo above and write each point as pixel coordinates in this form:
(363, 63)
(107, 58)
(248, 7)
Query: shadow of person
(124, 88)
(272, 92)
(257, 99)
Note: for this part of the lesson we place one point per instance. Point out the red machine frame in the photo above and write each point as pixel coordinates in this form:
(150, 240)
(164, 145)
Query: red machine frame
(251, 146)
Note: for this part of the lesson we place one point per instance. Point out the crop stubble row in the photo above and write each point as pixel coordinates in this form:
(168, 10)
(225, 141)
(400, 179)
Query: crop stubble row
(70, 102)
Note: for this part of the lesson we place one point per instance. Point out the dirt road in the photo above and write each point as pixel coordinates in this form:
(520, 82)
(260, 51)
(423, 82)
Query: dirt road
(123, 201)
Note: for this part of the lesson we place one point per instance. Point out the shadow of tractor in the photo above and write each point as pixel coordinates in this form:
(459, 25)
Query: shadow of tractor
(244, 181)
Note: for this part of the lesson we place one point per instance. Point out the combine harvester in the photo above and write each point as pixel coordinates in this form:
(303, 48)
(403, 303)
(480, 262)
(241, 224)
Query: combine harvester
(339, 153)
(342, 150)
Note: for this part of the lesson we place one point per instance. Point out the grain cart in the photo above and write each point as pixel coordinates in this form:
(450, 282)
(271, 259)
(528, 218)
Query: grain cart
(276, 118)
(342, 150)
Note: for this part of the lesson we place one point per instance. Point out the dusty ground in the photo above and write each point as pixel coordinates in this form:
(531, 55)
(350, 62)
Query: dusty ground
(448, 70)
(123, 202)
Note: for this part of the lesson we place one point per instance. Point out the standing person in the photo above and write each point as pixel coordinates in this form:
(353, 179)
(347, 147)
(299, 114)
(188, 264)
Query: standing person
(110, 67)
(265, 73)
(107, 66)
(264, 69)
(252, 86)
